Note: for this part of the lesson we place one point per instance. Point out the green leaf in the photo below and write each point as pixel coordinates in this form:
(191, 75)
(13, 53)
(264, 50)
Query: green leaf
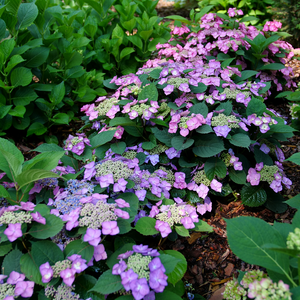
(80, 42)
(48, 148)
(204, 129)
(292, 96)
(61, 118)
(121, 121)
(201, 88)
(83, 284)
(46, 251)
(118, 147)
(209, 145)
(163, 136)
(36, 57)
(10, 164)
(5, 248)
(253, 196)
(24, 96)
(112, 260)
(58, 93)
(294, 202)
(20, 77)
(79, 247)
(27, 13)
(4, 110)
(146, 226)
(126, 51)
(215, 166)
(199, 108)
(167, 295)
(179, 18)
(238, 177)
(33, 175)
(14, 60)
(275, 202)
(102, 138)
(273, 66)
(124, 225)
(182, 231)
(52, 227)
(202, 226)
(181, 142)
(11, 262)
(45, 161)
(18, 111)
(180, 267)
(150, 92)
(6, 47)
(240, 140)
(30, 269)
(245, 75)
(246, 237)
(107, 283)
(255, 106)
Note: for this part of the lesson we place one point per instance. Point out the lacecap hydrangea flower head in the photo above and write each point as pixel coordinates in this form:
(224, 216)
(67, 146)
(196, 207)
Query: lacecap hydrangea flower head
(142, 272)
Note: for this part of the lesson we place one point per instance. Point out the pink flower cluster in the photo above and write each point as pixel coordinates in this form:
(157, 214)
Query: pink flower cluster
(22, 288)
(272, 26)
(77, 144)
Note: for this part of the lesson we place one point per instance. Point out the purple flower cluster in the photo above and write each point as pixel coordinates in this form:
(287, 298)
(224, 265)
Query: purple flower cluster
(142, 272)
(76, 144)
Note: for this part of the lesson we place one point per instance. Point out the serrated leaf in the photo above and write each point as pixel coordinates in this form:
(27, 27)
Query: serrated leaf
(33, 175)
(180, 267)
(240, 140)
(215, 166)
(150, 92)
(102, 138)
(163, 136)
(238, 177)
(5, 248)
(27, 13)
(11, 262)
(181, 142)
(245, 75)
(255, 106)
(83, 284)
(107, 283)
(118, 147)
(30, 269)
(182, 231)
(209, 145)
(52, 227)
(253, 196)
(79, 247)
(146, 226)
(202, 226)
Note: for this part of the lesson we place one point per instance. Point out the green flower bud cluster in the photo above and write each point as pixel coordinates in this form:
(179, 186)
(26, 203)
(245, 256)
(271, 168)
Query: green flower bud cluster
(6, 289)
(140, 108)
(106, 105)
(268, 290)
(177, 81)
(118, 168)
(267, 173)
(183, 121)
(95, 215)
(139, 264)
(131, 154)
(221, 120)
(158, 149)
(226, 159)
(233, 291)
(163, 110)
(11, 217)
(293, 240)
(251, 276)
(63, 292)
(294, 109)
(135, 89)
(60, 266)
(170, 175)
(177, 213)
(231, 94)
(200, 177)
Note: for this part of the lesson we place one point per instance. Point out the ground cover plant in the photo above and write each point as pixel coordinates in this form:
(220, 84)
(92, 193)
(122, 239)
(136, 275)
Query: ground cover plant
(56, 54)
(89, 220)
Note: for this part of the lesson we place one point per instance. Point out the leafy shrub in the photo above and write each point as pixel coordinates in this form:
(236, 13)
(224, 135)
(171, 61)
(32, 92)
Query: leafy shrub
(288, 13)
(55, 55)
(186, 128)
(261, 10)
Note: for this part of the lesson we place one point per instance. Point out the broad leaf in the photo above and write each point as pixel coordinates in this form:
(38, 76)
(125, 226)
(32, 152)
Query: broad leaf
(30, 268)
(52, 227)
(102, 138)
(253, 196)
(215, 166)
(208, 145)
(150, 92)
(79, 247)
(240, 140)
(27, 13)
(11, 262)
(181, 142)
(146, 226)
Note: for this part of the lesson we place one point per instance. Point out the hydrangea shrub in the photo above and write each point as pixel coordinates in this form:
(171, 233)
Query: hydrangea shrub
(150, 160)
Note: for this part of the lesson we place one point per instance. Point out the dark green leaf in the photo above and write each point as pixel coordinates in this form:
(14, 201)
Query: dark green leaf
(199, 108)
(181, 143)
(27, 13)
(150, 92)
(240, 140)
(36, 56)
(11, 262)
(209, 145)
(215, 166)
(118, 147)
(255, 106)
(102, 138)
(146, 226)
(30, 268)
(273, 66)
(107, 283)
(245, 75)
(253, 196)
(79, 247)
(238, 177)
(20, 76)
